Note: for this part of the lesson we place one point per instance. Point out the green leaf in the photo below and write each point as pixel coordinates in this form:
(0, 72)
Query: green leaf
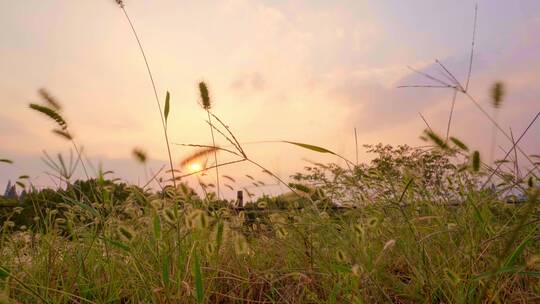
(167, 106)
(165, 270)
(502, 270)
(24, 177)
(332, 299)
(87, 207)
(507, 269)
(199, 289)
(219, 237)
(513, 257)
(530, 273)
(310, 147)
(4, 273)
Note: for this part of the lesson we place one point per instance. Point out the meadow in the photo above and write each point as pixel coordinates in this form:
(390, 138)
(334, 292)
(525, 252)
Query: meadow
(430, 224)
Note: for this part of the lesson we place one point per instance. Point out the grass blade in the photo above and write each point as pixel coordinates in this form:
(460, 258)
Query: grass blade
(199, 289)
(4, 273)
(157, 227)
(165, 270)
(517, 252)
(310, 147)
(167, 106)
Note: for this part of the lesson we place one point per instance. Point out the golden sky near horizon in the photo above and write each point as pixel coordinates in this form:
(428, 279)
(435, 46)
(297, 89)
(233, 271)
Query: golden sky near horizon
(307, 71)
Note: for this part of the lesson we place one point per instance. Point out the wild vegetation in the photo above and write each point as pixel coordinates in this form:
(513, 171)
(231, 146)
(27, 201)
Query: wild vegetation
(432, 224)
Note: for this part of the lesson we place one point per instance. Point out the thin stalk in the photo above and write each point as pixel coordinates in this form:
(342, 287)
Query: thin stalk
(20, 282)
(356, 145)
(497, 125)
(493, 137)
(471, 57)
(215, 151)
(155, 91)
(451, 113)
(516, 162)
(425, 121)
(514, 146)
(514, 233)
(79, 155)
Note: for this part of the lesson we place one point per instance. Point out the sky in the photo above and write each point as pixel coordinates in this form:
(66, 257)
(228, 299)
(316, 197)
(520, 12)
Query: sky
(305, 71)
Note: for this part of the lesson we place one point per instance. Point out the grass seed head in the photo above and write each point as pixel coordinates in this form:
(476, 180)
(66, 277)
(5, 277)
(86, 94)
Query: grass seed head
(269, 276)
(120, 3)
(170, 216)
(276, 218)
(241, 246)
(197, 155)
(359, 229)
(205, 96)
(533, 262)
(197, 219)
(436, 139)
(157, 204)
(210, 248)
(341, 256)
(476, 161)
(497, 94)
(281, 232)
(60, 221)
(140, 155)
(452, 276)
(125, 233)
(51, 113)
(372, 222)
(356, 270)
(51, 101)
(389, 245)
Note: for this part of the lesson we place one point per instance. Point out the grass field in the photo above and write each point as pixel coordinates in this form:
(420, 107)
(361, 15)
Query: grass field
(413, 227)
(431, 224)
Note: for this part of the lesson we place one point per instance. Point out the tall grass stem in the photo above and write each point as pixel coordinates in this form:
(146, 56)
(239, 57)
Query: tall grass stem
(155, 91)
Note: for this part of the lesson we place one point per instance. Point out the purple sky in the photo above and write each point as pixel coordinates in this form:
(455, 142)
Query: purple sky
(307, 71)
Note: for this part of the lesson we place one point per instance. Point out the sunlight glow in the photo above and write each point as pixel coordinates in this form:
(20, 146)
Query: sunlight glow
(195, 167)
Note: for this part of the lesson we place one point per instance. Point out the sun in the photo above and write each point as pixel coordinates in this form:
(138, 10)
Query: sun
(195, 167)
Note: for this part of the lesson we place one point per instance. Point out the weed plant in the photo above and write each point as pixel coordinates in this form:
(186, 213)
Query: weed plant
(432, 224)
